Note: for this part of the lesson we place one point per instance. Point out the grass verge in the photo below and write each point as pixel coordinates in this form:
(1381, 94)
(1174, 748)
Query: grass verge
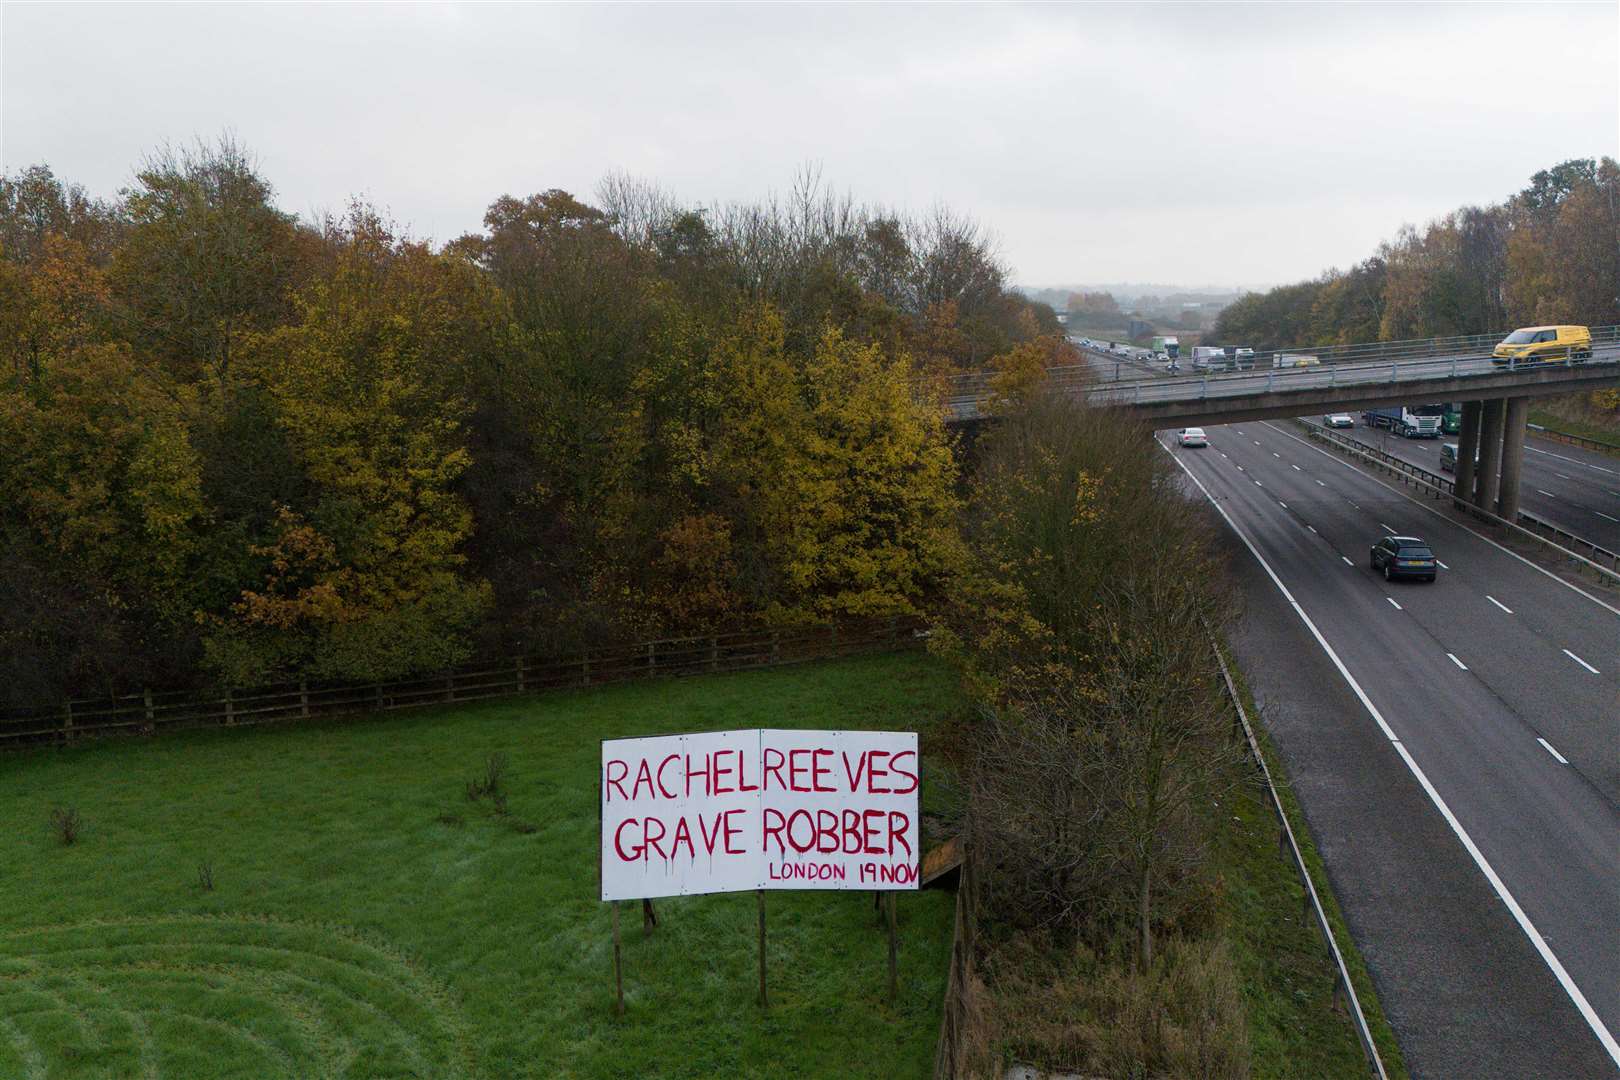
(361, 917)
(1295, 1026)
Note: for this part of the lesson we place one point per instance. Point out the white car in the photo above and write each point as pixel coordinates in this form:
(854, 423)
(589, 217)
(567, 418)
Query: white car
(1193, 436)
(1339, 419)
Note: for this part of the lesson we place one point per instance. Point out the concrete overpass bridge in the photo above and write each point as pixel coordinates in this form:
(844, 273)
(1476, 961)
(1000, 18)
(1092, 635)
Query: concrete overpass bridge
(1494, 397)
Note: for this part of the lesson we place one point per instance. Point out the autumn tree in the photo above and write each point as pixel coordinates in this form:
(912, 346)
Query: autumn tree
(365, 579)
(208, 260)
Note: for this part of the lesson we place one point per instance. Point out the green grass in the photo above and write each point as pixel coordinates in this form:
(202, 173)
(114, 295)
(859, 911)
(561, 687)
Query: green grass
(1573, 425)
(1295, 1027)
(352, 932)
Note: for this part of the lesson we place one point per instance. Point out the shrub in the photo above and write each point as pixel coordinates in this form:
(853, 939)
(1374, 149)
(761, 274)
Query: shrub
(66, 825)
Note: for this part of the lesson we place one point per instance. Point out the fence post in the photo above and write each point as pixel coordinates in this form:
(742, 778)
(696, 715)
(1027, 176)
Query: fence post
(520, 674)
(303, 698)
(714, 654)
(449, 686)
(67, 721)
(585, 668)
(151, 717)
(652, 663)
(776, 645)
(230, 708)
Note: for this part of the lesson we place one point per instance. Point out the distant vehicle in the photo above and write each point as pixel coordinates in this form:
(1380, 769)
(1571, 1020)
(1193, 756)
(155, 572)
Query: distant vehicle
(1448, 457)
(1403, 556)
(1167, 345)
(1544, 344)
(1209, 358)
(1404, 421)
(1339, 419)
(1193, 436)
(1292, 360)
(1243, 359)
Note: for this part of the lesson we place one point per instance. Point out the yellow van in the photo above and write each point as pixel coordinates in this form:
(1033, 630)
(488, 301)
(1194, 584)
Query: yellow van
(1544, 344)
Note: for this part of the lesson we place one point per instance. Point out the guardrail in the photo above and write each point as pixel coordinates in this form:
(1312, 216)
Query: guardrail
(1347, 365)
(1574, 439)
(150, 713)
(1535, 528)
(1286, 840)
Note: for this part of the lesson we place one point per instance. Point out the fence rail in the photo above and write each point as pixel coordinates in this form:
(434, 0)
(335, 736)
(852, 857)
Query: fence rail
(1602, 561)
(151, 712)
(1574, 439)
(1286, 839)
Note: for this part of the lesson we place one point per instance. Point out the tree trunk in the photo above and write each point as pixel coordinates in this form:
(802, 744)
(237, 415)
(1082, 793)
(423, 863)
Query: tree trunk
(1145, 897)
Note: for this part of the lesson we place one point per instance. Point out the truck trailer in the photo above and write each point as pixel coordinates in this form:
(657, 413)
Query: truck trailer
(1169, 346)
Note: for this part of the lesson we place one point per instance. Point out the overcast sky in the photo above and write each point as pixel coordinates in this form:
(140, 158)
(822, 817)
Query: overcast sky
(1206, 144)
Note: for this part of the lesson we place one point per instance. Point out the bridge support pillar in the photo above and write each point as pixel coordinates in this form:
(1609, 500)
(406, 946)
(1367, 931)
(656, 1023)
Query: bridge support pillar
(1518, 409)
(1490, 455)
(1467, 452)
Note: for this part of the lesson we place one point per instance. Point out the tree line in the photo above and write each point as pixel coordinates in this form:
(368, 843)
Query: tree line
(243, 446)
(1548, 254)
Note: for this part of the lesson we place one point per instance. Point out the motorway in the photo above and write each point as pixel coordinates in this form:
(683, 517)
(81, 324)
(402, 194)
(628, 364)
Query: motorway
(1575, 489)
(1453, 747)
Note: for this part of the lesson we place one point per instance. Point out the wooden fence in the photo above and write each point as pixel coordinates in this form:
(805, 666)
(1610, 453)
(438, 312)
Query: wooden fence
(150, 712)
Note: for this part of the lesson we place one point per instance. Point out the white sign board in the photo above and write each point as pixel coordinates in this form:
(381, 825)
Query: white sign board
(727, 811)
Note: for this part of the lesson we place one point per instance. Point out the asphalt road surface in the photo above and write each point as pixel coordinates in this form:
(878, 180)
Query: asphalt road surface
(1575, 489)
(1454, 753)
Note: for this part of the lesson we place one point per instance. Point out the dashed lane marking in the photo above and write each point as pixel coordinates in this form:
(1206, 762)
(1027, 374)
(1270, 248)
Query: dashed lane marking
(1581, 662)
(1499, 604)
(1547, 746)
(1456, 661)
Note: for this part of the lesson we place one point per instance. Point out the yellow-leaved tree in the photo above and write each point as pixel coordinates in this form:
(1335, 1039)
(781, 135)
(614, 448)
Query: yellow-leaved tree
(364, 578)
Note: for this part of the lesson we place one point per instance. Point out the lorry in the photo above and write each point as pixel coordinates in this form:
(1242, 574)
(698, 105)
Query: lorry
(1169, 346)
(1404, 421)
(1289, 360)
(1209, 358)
(1242, 359)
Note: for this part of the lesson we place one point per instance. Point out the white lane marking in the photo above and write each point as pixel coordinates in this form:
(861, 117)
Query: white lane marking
(1241, 469)
(1257, 442)
(1563, 476)
(1296, 468)
(1549, 494)
(1223, 453)
(1604, 516)
(1276, 455)
(1282, 504)
(1562, 760)
(1393, 604)
(1320, 484)
(1547, 955)
(1514, 554)
(1312, 528)
(1581, 662)
(1443, 566)
(1258, 484)
(1347, 562)
(1456, 661)
(1386, 528)
(1499, 603)
(1572, 461)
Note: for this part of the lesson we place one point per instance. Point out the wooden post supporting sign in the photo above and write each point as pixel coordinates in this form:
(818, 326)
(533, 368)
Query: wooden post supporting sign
(894, 970)
(618, 968)
(763, 1001)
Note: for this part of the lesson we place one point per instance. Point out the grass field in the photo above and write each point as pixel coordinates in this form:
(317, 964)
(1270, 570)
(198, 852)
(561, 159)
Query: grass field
(367, 920)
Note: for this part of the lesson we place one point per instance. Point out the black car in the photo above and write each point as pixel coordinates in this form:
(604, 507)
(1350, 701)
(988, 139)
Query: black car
(1403, 556)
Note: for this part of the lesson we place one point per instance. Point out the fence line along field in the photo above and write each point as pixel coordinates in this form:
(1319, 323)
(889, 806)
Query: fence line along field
(414, 895)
